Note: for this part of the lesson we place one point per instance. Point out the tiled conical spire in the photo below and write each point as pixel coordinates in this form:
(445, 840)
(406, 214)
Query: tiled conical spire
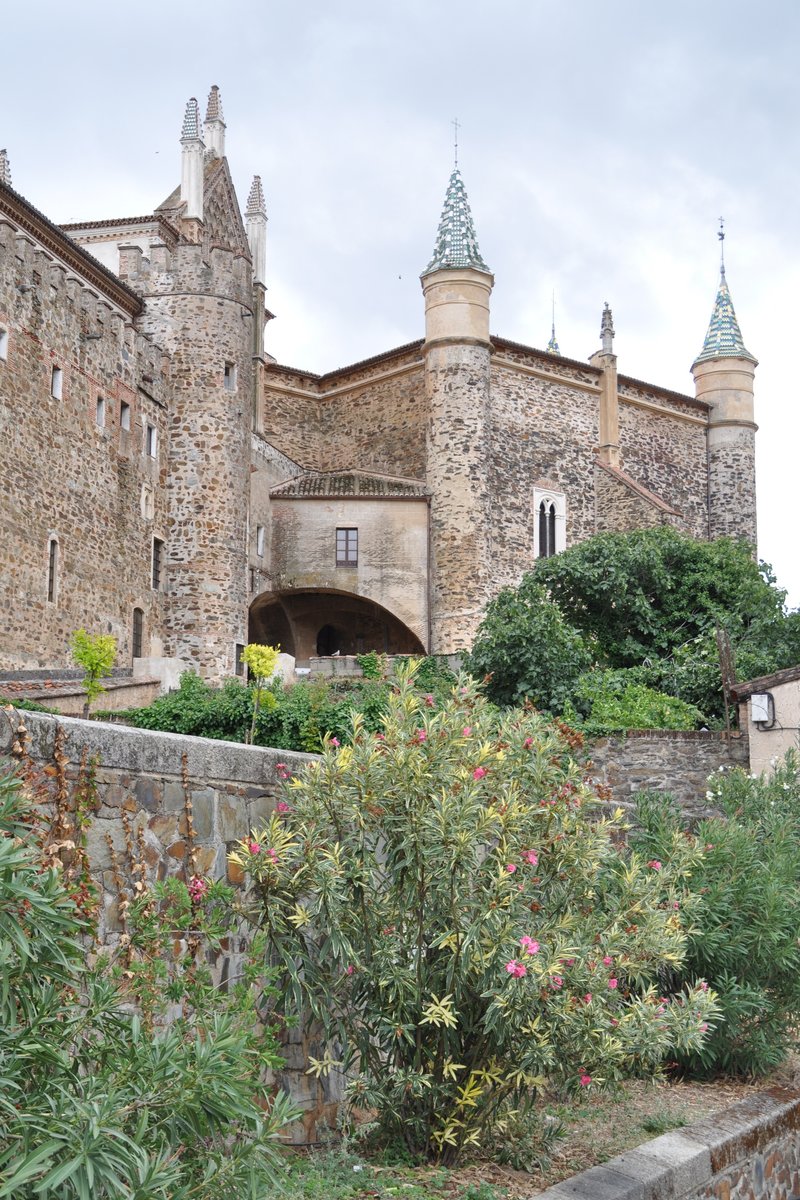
(191, 122)
(456, 242)
(724, 338)
(214, 108)
(256, 205)
(552, 345)
(5, 169)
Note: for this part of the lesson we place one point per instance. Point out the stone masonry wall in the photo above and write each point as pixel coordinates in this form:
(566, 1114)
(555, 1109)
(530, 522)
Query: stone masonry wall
(666, 760)
(620, 509)
(732, 483)
(92, 487)
(750, 1151)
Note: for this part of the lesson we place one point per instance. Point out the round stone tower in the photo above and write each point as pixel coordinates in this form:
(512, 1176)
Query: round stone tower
(723, 376)
(457, 285)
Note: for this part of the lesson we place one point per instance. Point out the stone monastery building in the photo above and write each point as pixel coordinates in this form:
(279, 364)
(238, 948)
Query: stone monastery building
(162, 478)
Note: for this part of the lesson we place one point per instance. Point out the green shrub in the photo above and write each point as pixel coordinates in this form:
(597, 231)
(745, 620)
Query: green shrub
(93, 1103)
(743, 935)
(616, 700)
(197, 708)
(444, 898)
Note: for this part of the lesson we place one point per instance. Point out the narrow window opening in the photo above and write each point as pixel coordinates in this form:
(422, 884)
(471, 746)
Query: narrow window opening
(347, 547)
(230, 376)
(124, 416)
(138, 632)
(158, 563)
(260, 538)
(100, 412)
(237, 654)
(52, 571)
(547, 529)
(3, 344)
(550, 523)
(57, 383)
(150, 440)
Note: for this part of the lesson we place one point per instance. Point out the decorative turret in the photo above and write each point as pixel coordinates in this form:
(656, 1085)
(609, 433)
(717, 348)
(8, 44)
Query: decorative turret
(5, 169)
(607, 330)
(457, 285)
(606, 360)
(192, 160)
(214, 126)
(256, 222)
(723, 377)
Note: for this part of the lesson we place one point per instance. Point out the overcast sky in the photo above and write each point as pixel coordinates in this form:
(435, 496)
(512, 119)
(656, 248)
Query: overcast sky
(599, 145)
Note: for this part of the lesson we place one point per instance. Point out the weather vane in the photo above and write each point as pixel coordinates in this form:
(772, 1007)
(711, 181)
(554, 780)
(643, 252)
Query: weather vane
(455, 123)
(721, 236)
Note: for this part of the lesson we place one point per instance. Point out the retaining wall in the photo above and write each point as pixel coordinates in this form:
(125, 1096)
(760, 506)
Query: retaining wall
(750, 1151)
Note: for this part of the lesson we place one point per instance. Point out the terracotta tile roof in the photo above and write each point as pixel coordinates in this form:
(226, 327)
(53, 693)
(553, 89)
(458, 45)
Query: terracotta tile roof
(765, 683)
(353, 484)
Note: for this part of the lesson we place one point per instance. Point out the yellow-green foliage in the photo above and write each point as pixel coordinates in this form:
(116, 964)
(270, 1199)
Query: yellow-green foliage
(95, 652)
(444, 897)
(261, 660)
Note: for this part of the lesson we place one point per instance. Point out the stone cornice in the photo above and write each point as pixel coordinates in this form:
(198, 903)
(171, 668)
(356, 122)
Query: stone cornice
(30, 221)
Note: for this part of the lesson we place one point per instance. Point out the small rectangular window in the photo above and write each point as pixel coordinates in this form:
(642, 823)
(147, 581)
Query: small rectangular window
(158, 563)
(237, 654)
(124, 415)
(138, 632)
(52, 571)
(260, 538)
(230, 377)
(57, 383)
(347, 547)
(3, 344)
(100, 412)
(150, 440)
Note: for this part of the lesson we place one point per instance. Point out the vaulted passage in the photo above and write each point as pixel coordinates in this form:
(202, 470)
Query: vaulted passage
(325, 622)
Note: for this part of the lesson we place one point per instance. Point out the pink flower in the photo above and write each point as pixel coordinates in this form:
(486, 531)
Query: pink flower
(556, 982)
(654, 864)
(703, 985)
(197, 888)
(607, 961)
(614, 1022)
(568, 962)
(429, 700)
(466, 731)
(349, 970)
(585, 1080)
(704, 1027)
(613, 983)
(529, 945)
(254, 848)
(675, 904)
(334, 741)
(530, 856)
(526, 745)
(273, 855)
(379, 737)
(479, 773)
(511, 868)
(282, 807)
(421, 735)
(517, 969)
(280, 766)
(587, 999)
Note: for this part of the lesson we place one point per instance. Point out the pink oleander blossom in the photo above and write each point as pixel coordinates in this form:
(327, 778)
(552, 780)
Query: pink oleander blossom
(422, 736)
(511, 868)
(429, 700)
(526, 745)
(654, 864)
(703, 985)
(282, 808)
(587, 999)
(607, 961)
(530, 856)
(517, 969)
(585, 1080)
(479, 773)
(528, 944)
(466, 731)
(254, 847)
(613, 983)
(556, 982)
(335, 742)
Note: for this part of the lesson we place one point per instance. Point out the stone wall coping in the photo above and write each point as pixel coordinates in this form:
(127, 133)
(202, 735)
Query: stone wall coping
(123, 748)
(672, 735)
(677, 1165)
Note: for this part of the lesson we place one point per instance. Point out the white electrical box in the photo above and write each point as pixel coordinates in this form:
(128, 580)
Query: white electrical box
(762, 708)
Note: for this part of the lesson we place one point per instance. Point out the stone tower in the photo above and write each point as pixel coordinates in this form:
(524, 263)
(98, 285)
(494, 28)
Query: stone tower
(199, 306)
(457, 285)
(723, 376)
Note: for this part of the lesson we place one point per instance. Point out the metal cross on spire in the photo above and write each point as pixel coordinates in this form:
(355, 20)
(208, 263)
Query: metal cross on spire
(456, 125)
(721, 236)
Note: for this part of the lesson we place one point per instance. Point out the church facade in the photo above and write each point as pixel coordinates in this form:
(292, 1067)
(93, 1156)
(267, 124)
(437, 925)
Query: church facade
(164, 479)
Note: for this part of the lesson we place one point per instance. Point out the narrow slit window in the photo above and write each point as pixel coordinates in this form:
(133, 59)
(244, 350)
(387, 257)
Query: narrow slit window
(550, 523)
(347, 547)
(100, 412)
(260, 539)
(52, 571)
(150, 440)
(57, 383)
(230, 376)
(138, 632)
(124, 416)
(3, 344)
(238, 651)
(158, 563)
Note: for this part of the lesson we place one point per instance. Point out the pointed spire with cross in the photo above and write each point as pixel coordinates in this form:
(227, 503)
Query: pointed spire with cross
(552, 346)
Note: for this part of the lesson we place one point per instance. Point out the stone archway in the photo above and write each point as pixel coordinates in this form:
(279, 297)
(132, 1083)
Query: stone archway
(308, 623)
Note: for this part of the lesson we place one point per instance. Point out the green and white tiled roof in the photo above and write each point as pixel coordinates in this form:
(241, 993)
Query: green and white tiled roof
(552, 345)
(724, 338)
(456, 242)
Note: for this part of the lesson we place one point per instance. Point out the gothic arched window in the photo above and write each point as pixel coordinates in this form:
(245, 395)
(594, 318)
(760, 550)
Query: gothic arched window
(550, 523)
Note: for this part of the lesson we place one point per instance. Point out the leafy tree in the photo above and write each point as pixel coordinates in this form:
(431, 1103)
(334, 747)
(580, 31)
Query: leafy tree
(94, 1105)
(528, 648)
(95, 653)
(443, 897)
(262, 661)
(614, 700)
(745, 913)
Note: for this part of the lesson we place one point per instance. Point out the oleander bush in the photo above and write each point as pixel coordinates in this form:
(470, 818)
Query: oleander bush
(444, 896)
(743, 937)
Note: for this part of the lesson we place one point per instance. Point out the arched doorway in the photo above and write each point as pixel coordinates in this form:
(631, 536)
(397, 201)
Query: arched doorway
(309, 623)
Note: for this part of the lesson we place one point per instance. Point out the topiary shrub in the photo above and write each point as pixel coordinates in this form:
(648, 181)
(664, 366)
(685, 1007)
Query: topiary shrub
(743, 934)
(445, 899)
